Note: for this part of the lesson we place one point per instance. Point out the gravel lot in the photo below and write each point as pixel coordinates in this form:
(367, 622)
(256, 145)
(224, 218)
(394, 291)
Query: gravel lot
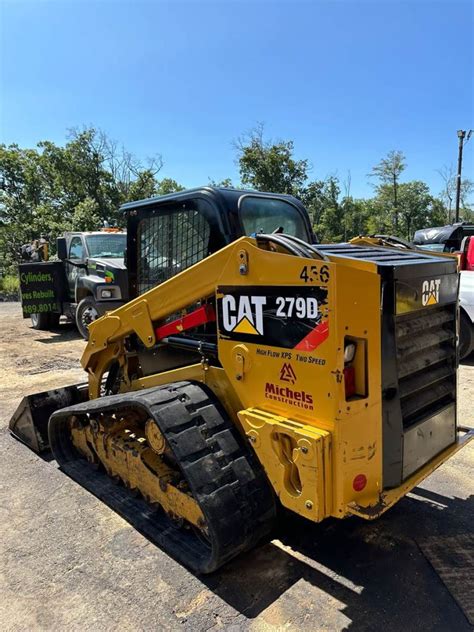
(68, 562)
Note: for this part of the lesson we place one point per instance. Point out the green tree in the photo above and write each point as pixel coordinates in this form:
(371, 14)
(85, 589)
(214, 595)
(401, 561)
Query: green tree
(52, 188)
(333, 218)
(144, 186)
(168, 185)
(439, 212)
(417, 209)
(86, 215)
(266, 165)
(20, 199)
(314, 198)
(388, 172)
(321, 199)
(356, 213)
(379, 216)
(448, 194)
(226, 183)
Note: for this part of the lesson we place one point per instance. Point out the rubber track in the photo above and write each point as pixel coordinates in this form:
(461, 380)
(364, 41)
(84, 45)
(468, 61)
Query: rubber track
(222, 472)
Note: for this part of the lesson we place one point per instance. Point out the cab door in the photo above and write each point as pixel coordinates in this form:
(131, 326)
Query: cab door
(174, 237)
(76, 258)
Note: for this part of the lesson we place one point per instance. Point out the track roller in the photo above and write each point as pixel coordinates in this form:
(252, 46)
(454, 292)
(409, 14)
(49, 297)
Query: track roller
(176, 446)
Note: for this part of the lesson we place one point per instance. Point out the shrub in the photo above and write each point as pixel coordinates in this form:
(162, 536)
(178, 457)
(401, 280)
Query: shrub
(9, 284)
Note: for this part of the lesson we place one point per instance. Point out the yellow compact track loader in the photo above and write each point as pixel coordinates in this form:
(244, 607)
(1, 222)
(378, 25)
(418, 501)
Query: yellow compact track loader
(252, 369)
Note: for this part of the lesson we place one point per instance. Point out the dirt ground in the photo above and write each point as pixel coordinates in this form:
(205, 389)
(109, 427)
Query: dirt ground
(69, 562)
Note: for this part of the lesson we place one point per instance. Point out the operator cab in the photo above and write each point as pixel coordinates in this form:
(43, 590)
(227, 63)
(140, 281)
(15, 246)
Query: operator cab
(170, 233)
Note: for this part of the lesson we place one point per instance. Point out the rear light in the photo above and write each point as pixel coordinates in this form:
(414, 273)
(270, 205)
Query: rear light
(349, 381)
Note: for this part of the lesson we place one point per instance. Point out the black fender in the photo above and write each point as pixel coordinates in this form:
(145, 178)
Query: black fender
(88, 285)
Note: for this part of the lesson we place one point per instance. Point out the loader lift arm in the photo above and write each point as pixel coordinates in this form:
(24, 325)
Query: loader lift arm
(194, 285)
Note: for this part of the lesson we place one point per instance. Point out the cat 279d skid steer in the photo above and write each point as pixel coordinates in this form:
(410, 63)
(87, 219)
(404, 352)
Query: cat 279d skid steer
(253, 369)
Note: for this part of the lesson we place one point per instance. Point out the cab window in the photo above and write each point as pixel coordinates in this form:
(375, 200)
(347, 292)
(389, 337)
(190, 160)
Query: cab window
(76, 249)
(266, 215)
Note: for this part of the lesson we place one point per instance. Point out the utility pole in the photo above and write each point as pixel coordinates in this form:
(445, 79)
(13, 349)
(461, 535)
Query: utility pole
(461, 136)
(462, 142)
(395, 203)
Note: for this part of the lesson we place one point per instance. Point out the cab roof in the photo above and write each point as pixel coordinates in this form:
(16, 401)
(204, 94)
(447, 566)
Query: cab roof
(230, 197)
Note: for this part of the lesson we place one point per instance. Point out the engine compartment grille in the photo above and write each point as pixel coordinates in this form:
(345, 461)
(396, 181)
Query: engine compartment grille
(426, 360)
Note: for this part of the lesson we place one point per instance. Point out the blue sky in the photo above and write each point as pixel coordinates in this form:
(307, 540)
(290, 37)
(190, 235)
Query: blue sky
(346, 80)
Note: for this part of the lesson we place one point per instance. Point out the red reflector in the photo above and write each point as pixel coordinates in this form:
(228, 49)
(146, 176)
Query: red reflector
(359, 482)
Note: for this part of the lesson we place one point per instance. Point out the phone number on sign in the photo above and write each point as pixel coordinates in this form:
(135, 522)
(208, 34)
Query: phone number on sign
(40, 309)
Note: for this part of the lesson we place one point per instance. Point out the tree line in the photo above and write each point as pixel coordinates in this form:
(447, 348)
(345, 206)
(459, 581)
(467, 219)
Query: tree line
(79, 186)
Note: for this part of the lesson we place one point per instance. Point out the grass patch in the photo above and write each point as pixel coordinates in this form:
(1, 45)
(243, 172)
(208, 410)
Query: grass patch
(9, 284)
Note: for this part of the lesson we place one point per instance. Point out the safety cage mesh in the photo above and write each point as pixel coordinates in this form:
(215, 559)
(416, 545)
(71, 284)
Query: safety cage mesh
(169, 244)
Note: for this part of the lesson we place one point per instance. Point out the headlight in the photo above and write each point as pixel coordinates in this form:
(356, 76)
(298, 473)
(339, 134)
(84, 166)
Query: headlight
(106, 293)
